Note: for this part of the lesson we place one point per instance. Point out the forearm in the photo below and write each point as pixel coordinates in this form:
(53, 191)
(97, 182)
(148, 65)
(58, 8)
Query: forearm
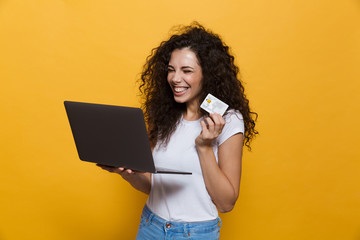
(220, 189)
(140, 181)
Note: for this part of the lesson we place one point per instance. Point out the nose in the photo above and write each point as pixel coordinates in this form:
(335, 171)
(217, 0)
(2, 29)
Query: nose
(176, 78)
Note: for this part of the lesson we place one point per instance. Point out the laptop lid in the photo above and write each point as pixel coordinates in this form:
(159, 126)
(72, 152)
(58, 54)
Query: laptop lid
(111, 135)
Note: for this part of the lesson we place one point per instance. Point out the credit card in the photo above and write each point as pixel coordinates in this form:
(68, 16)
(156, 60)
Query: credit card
(212, 104)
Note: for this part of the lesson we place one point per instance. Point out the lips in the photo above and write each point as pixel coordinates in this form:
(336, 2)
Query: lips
(179, 91)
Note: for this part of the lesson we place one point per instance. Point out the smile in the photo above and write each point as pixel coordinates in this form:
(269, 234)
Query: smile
(180, 89)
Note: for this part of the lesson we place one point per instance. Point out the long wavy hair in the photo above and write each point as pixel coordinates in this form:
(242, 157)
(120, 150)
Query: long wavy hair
(220, 78)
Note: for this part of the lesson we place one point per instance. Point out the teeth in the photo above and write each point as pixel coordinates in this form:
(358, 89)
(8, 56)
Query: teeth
(179, 89)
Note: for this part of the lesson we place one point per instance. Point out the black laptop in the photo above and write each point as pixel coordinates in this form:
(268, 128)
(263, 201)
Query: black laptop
(110, 135)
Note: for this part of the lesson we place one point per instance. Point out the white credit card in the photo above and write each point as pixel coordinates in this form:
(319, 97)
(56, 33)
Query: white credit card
(213, 105)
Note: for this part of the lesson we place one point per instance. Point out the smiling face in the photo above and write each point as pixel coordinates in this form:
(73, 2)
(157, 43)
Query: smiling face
(185, 76)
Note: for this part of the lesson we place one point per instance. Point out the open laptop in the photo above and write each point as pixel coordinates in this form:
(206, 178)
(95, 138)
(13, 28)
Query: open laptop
(110, 135)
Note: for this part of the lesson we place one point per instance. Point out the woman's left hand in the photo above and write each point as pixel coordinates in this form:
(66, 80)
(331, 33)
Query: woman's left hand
(210, 130)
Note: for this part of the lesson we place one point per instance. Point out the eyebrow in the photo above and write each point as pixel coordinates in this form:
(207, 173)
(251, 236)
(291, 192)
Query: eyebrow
(186, 67)
(181, 67)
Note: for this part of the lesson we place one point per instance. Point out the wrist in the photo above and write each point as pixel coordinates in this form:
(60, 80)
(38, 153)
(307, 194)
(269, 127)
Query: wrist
(203, 147)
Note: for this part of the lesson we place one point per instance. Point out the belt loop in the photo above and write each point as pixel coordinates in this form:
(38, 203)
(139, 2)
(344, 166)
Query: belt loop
(151, 217)
(186, 230)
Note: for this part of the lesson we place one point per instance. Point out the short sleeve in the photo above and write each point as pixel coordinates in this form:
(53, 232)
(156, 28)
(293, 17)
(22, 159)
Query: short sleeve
(234, 124)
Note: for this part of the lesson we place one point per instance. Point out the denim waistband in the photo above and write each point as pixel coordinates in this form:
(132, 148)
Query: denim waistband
(187, 227)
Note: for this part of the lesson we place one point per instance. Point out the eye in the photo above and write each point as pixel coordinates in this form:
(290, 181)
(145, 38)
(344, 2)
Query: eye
(187, 71)
(170, 70)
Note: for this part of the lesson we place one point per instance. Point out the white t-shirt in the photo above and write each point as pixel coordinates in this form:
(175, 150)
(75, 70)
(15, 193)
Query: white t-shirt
(184, 197)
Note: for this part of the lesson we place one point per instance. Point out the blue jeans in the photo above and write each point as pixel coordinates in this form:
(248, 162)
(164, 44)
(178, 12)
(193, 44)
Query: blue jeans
(153, 227)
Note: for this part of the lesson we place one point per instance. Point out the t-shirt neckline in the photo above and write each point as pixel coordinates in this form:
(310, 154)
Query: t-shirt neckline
(193, 122)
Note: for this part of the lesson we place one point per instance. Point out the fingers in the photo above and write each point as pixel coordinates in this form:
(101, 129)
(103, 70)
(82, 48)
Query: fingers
(129, 171)
(204, 129)
(210, 124)
(119, 170)
(215, 123)
(218, 119)
(211, 129)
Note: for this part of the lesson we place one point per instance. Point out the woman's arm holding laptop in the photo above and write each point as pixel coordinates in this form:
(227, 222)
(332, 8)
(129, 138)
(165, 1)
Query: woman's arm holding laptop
(139, 180)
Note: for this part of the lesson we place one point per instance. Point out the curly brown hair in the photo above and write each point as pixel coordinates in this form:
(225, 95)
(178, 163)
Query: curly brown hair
(220, 78)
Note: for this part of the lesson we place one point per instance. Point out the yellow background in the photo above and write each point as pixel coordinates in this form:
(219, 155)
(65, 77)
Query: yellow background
(299, 58)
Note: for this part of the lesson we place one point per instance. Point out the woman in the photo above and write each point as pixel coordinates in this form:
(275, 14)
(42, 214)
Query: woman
(176, 78)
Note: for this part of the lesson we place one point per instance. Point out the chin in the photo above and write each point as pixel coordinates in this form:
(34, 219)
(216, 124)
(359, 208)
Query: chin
(179, 100)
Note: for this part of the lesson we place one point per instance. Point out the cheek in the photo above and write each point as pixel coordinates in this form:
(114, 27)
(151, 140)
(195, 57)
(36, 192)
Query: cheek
(198, 82)
(168, 78)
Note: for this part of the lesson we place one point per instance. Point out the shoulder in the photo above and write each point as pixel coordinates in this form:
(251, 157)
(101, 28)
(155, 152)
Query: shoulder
(234, 124)
(233, 115)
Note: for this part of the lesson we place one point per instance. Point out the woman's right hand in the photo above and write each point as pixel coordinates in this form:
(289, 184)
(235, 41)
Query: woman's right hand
(125, 173)
(139, 180)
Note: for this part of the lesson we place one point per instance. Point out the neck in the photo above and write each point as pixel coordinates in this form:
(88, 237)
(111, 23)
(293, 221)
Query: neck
(192, 112)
